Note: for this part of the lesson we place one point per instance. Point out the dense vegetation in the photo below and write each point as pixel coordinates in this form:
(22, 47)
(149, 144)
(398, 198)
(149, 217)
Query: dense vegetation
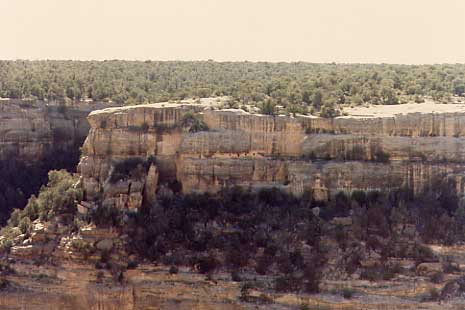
(56, 200)
(299, 87)
(290, 238)
(258, 235)
(19, 180)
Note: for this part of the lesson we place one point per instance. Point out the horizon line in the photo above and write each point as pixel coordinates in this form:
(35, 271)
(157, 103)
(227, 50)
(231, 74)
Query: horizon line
(234, 61)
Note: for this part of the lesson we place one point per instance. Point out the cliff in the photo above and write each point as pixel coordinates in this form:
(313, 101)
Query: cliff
(29, 131)
(36, 137)
(297, 154)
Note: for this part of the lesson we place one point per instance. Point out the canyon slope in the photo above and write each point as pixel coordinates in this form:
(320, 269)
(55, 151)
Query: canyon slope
(36, 137)
(199, 148)
(30, 131)
(81, 246)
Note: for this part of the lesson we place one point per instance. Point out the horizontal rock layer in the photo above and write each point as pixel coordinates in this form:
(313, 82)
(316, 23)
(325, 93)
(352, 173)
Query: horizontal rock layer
(29, 131)
(297, 154)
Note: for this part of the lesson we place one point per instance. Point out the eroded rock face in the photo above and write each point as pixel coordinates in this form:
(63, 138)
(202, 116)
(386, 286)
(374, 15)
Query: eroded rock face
(36, 137)
(29, 131)
(298, 154)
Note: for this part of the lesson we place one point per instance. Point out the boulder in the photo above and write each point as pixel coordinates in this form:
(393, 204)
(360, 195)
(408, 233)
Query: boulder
(428, 269)
(38, 237)
(26, 251)
(105, 245)
(82, 210)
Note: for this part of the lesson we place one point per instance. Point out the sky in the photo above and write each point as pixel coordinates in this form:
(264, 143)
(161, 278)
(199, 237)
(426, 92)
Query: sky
(342, 31)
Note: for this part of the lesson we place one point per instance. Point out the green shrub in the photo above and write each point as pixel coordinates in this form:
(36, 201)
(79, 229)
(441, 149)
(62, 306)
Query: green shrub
(107, 216)
(268, 107)
(378, 272)
(348, 293)
(329, 111)
(15, 217)
(434, 294)
(82, 247)
(193, 123)
(25, 225)
(41, 277)
(5, 244)
(381, 156)
(58, 197)
(423, 254)
(437, 277)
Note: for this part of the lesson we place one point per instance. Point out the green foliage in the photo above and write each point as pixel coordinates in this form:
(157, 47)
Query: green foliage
(58, 197)
(82, 247)
(283, 237)
(294, 109)
(268, 107)
(25, 225)
(20, 180)
(41, 277)
(424, 254)
(181, 223)
(378, 272)
(9, 234)
(328, 111)
(348, 293)
(295, 86)
(434, 294)
(107, 216)
(381, 156)
(193, 123)
(437, 277)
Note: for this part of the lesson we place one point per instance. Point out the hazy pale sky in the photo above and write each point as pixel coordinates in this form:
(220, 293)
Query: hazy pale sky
(393, 31)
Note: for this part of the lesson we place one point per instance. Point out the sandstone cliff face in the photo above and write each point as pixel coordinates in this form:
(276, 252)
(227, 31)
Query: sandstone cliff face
(299, 154)
(28, 131)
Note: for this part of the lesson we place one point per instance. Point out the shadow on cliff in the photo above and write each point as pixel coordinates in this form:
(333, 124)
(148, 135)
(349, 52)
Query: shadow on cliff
(20, 180)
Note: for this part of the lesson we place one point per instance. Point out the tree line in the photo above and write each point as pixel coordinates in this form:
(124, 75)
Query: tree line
(297, 87)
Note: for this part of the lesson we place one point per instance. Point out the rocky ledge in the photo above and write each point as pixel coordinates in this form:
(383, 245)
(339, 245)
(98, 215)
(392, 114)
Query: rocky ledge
(131, 153)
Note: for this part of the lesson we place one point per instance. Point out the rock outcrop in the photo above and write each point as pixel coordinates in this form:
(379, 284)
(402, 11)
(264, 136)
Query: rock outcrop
(31, 130)
(296, 154)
